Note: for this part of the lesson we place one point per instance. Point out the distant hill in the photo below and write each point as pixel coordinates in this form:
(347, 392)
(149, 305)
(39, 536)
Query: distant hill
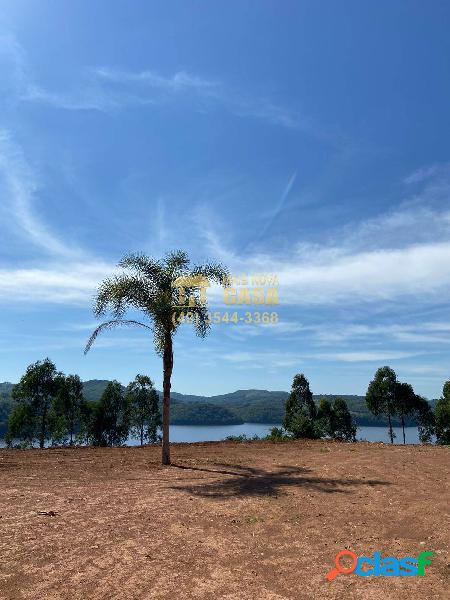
(264, 406)
(5, 388)
(241, 406)
(94, 388)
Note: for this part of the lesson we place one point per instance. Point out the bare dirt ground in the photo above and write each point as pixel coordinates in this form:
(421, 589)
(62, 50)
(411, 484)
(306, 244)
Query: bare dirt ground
(256, 521)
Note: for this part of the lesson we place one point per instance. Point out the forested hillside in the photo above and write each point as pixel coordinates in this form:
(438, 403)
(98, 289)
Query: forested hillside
(251, 406)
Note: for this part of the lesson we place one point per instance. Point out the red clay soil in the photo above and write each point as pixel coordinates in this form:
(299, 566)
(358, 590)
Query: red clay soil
(256, 521)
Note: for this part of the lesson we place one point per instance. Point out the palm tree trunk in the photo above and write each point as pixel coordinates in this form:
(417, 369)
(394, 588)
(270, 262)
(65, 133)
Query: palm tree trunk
(403, 427)
(391, 431)
(167, 368)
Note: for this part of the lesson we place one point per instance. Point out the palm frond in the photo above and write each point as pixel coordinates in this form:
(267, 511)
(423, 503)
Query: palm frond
(110, 325)
(215, 272)
(150, 286)
(120, 291)
(159, 334)
(177, 263)
(201, 321)
(144, 265)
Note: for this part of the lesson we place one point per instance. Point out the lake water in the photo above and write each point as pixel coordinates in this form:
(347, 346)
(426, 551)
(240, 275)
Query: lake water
(205, 433)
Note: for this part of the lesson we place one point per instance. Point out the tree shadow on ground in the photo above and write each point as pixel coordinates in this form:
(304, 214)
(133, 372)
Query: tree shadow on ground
(251, 481)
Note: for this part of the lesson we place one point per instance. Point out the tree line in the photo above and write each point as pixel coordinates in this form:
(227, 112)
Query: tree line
(389, 397)
(49, 408)
(386, 396)
(304, 419)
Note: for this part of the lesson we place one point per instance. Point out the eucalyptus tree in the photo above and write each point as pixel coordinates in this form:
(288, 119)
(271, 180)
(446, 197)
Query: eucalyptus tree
(33, 397)
(69, 403)
(110, 425)
(326, 418)
(405, 403)
(300, 410)
(144, 409)
(335, 420)
(442, 413)
(345, 428)
(150, 286)
(381, 395)
(425, 417)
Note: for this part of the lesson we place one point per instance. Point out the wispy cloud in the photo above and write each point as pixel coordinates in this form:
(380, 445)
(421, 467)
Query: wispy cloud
(66, 283)
(322, 276)
(108, 89)
(343, 334)
(264, 110)
(68, 274)
(291, 359)
(20, 187)
(85, 99)
(331, 275)
(402, 255)
(424, 173)
(13, 65)
(310, 275)
(365, 356)
(259, 360)
(179, 82)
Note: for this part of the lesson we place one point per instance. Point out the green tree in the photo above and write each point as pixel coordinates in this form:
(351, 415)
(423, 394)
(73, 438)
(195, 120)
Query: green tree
(33, 396)
(69, 403)
(380, 396)
(150, 286)
(335, 421)
(276, 434)
(144, 409)
(88, 414)
(300, 410)
(326, 418)
(405, 403)
(442, 416)
(21, 425)
(57, 425)
(425, 418)
(344, 426)
(110, 424)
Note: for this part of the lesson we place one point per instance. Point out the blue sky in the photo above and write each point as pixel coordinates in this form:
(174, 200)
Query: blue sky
(302, 138)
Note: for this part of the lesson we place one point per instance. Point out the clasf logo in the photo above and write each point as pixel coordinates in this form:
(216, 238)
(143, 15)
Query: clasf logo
(389, 566)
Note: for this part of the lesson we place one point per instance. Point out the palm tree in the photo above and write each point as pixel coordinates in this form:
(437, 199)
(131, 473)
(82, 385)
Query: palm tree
(164, 290)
